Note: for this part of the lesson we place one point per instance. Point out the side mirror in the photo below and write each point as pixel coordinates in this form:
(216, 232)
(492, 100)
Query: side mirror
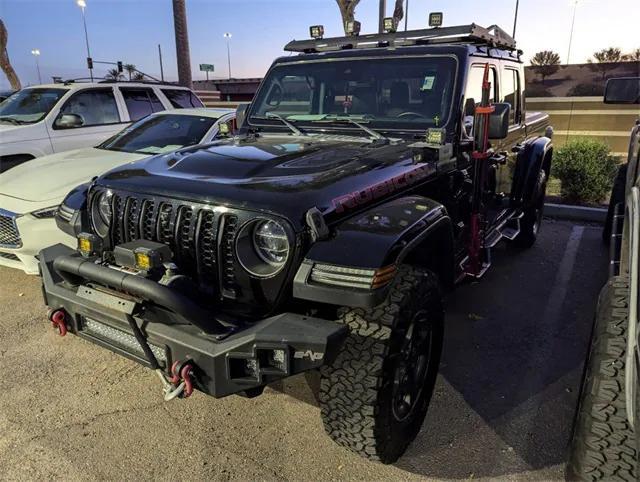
(624, 90)
(67, 121)
(499, 121)
(241, 114)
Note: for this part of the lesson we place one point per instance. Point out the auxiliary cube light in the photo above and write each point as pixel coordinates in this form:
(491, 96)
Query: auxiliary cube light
(435, 19)
(89, 244)
(352, 27)
(390, 25)
(316, 31)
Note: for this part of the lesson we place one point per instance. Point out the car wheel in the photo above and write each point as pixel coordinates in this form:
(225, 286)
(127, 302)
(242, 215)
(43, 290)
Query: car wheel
(375, 395)
(617, 197)
(532, 219)
(603, 445)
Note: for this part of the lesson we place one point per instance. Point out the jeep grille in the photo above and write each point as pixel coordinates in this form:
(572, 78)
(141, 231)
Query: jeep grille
(198, 235)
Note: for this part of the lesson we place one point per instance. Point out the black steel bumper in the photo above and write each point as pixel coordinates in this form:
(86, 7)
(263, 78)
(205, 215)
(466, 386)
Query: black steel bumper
(260, 353)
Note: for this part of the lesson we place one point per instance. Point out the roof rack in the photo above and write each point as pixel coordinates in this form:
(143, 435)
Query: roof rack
(492, 36)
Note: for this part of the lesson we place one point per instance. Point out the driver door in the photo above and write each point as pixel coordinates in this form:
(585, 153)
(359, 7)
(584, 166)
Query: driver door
(101, 118)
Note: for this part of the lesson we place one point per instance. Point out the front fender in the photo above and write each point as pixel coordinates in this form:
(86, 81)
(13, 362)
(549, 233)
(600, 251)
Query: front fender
(535, 155)
(72, 214)
(374, 240)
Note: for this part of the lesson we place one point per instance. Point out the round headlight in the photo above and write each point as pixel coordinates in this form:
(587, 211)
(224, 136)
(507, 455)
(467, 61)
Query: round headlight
(101, 213)
(104, 206)
(271, 242)
(262, 247)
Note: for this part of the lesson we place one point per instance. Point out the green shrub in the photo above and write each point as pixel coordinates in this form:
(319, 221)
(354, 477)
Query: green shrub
(586, 170)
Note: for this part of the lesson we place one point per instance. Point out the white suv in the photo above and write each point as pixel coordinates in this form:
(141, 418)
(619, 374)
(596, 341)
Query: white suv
(45, 119)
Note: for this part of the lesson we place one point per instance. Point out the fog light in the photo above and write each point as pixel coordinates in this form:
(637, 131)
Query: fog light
(89, 244)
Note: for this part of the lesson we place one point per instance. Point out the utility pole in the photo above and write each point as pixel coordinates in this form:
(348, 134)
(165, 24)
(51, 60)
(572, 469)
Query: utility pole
(182, 43)
(382, 14)
(515, 19)
(161, 69)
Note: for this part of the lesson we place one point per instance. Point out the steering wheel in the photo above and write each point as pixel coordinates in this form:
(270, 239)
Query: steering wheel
(411, 113)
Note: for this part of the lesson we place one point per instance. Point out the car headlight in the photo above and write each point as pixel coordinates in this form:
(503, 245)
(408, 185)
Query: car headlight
(45, 213)
(101, 212)
(262, 247)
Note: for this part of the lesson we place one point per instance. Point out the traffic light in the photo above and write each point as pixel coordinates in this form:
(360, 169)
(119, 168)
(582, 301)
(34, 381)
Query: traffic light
(119, 66)
(89, 63)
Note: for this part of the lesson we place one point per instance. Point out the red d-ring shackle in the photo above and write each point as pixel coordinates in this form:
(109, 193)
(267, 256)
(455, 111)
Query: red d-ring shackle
(182, 371)
(58, 320)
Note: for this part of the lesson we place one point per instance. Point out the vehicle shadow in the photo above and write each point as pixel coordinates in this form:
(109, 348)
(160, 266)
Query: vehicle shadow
(509, 378)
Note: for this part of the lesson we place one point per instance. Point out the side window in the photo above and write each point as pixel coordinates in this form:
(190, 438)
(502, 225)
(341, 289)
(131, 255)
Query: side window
(511, 94)
(182, 99)
(474, 87)
(140, 102)
(473, 93)
(94, 106)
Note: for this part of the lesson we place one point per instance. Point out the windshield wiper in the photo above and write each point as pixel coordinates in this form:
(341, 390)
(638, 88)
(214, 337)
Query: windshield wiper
(12, 120)
(348, 120)
(271, 115)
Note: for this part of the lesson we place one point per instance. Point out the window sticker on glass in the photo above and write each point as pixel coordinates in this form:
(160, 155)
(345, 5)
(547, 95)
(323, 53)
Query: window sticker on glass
(427, 83)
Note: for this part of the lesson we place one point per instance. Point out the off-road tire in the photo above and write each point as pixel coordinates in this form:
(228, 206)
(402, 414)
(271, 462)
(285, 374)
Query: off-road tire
(532, 220)
(357, 390)
(603, 445)
(617, 197)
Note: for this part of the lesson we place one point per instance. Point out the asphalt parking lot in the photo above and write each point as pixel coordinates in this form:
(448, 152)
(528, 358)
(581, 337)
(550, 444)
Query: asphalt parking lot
(503, 407)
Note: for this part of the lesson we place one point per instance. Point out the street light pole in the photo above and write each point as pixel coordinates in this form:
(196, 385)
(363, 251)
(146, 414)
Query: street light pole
(573, 21)
(228, 37)
(36, 54)
(515, 19)
(406, 16)
(83, 4)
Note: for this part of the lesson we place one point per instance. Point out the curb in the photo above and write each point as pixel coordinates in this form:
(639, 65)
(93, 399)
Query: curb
(575, 213)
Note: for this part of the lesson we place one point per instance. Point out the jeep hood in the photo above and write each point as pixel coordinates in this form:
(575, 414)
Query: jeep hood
(282, 175)
(50, 178)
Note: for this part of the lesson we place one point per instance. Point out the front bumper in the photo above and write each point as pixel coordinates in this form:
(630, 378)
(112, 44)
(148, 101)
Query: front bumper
(249, 357)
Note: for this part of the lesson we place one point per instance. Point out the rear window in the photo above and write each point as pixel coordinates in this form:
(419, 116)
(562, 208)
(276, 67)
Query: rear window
(140, 102)
(182, 99)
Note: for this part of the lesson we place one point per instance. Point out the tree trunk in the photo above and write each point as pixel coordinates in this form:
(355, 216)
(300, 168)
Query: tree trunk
(182, 43)
(347, 11)
(5, 65)
(398, 11)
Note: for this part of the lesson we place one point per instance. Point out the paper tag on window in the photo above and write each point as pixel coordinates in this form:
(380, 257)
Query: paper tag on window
(427, 83)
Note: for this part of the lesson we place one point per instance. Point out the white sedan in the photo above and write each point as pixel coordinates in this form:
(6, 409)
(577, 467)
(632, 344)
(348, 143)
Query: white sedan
(30, 193)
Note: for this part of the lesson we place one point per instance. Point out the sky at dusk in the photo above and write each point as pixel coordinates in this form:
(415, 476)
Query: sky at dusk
(130, 30)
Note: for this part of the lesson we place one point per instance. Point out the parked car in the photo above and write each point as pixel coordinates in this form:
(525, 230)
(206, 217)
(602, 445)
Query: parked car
(323, 235)
(5, 94)
(45, 119)
(605, 443)
(31, 193)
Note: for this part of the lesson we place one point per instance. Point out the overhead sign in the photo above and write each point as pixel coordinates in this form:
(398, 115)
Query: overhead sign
(206, 67)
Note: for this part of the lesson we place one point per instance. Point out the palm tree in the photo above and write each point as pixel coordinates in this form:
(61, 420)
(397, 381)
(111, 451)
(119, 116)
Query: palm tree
(545, 63)
(113, 74)
(5, 64)
(138, 76)
(182, 42)
(130, 68)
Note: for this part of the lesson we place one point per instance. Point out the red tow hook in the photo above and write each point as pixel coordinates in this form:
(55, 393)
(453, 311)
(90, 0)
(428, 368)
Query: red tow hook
(181, 378)
(58, 320)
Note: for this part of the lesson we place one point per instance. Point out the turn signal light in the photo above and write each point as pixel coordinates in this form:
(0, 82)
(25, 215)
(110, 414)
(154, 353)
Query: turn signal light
(383, 276)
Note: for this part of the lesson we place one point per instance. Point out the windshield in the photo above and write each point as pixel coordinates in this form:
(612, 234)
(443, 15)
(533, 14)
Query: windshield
(385, 93)
(29, 105)
(160, 133)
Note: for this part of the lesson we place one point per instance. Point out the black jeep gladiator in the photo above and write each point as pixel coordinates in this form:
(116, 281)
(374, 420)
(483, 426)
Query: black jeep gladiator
(370, 173)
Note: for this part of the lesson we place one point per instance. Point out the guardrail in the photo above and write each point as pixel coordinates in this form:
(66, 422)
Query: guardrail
(573, 117)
